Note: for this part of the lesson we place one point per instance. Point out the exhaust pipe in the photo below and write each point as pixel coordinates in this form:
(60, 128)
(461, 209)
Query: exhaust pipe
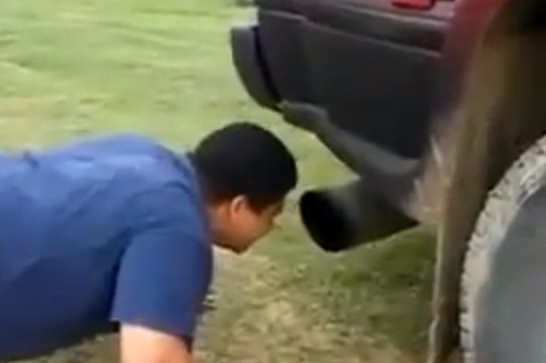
(349, 215)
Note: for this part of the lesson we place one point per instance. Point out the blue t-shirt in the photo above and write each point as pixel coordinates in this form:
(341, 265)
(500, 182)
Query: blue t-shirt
(96, 233)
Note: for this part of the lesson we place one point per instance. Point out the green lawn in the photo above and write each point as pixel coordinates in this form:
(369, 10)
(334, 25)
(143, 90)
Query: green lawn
(162, 67)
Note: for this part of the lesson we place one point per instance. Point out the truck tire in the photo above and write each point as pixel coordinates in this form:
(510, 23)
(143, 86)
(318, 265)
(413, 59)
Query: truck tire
(503, 297)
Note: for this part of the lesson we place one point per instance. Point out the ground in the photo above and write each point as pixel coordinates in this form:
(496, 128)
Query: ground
(162, 67)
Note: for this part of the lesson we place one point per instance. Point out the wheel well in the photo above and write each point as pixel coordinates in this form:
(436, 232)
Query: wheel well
(500, 113)
(515, 50)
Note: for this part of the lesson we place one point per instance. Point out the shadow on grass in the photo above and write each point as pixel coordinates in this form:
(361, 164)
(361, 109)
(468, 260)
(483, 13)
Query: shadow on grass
(378, 293)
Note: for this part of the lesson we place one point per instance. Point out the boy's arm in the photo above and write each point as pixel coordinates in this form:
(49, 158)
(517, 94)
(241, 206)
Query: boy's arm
(144, 345)
(162, 283)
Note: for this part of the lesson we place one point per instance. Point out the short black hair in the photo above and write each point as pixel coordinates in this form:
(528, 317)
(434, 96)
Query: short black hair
(243, 158)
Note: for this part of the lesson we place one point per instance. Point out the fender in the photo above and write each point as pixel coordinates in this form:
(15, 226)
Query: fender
(486, 112)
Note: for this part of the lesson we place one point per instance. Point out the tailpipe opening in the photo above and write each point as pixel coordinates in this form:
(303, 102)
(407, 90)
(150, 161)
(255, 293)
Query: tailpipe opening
(342, 217)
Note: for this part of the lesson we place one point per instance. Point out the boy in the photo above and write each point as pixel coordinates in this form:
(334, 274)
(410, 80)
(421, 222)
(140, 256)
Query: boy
(115, 233)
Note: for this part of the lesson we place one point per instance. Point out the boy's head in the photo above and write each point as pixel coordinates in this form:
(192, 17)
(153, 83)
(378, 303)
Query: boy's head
(246, 173)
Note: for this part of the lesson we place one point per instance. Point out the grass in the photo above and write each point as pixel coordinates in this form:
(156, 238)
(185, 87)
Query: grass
(162, 67)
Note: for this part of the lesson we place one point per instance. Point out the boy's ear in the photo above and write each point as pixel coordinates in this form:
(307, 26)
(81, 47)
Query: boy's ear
(238, 204)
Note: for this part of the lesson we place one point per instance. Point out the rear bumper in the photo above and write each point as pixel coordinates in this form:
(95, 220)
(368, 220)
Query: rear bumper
(360, 79)
(250, 66)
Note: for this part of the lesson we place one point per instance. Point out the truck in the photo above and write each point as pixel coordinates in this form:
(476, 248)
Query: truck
(437, 107)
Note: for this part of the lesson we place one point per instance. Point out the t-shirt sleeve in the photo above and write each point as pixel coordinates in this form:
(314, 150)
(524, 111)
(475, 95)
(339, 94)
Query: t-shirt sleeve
(164, 274)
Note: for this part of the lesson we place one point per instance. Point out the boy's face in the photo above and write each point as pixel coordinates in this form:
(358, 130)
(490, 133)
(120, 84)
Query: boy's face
(237, 226)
